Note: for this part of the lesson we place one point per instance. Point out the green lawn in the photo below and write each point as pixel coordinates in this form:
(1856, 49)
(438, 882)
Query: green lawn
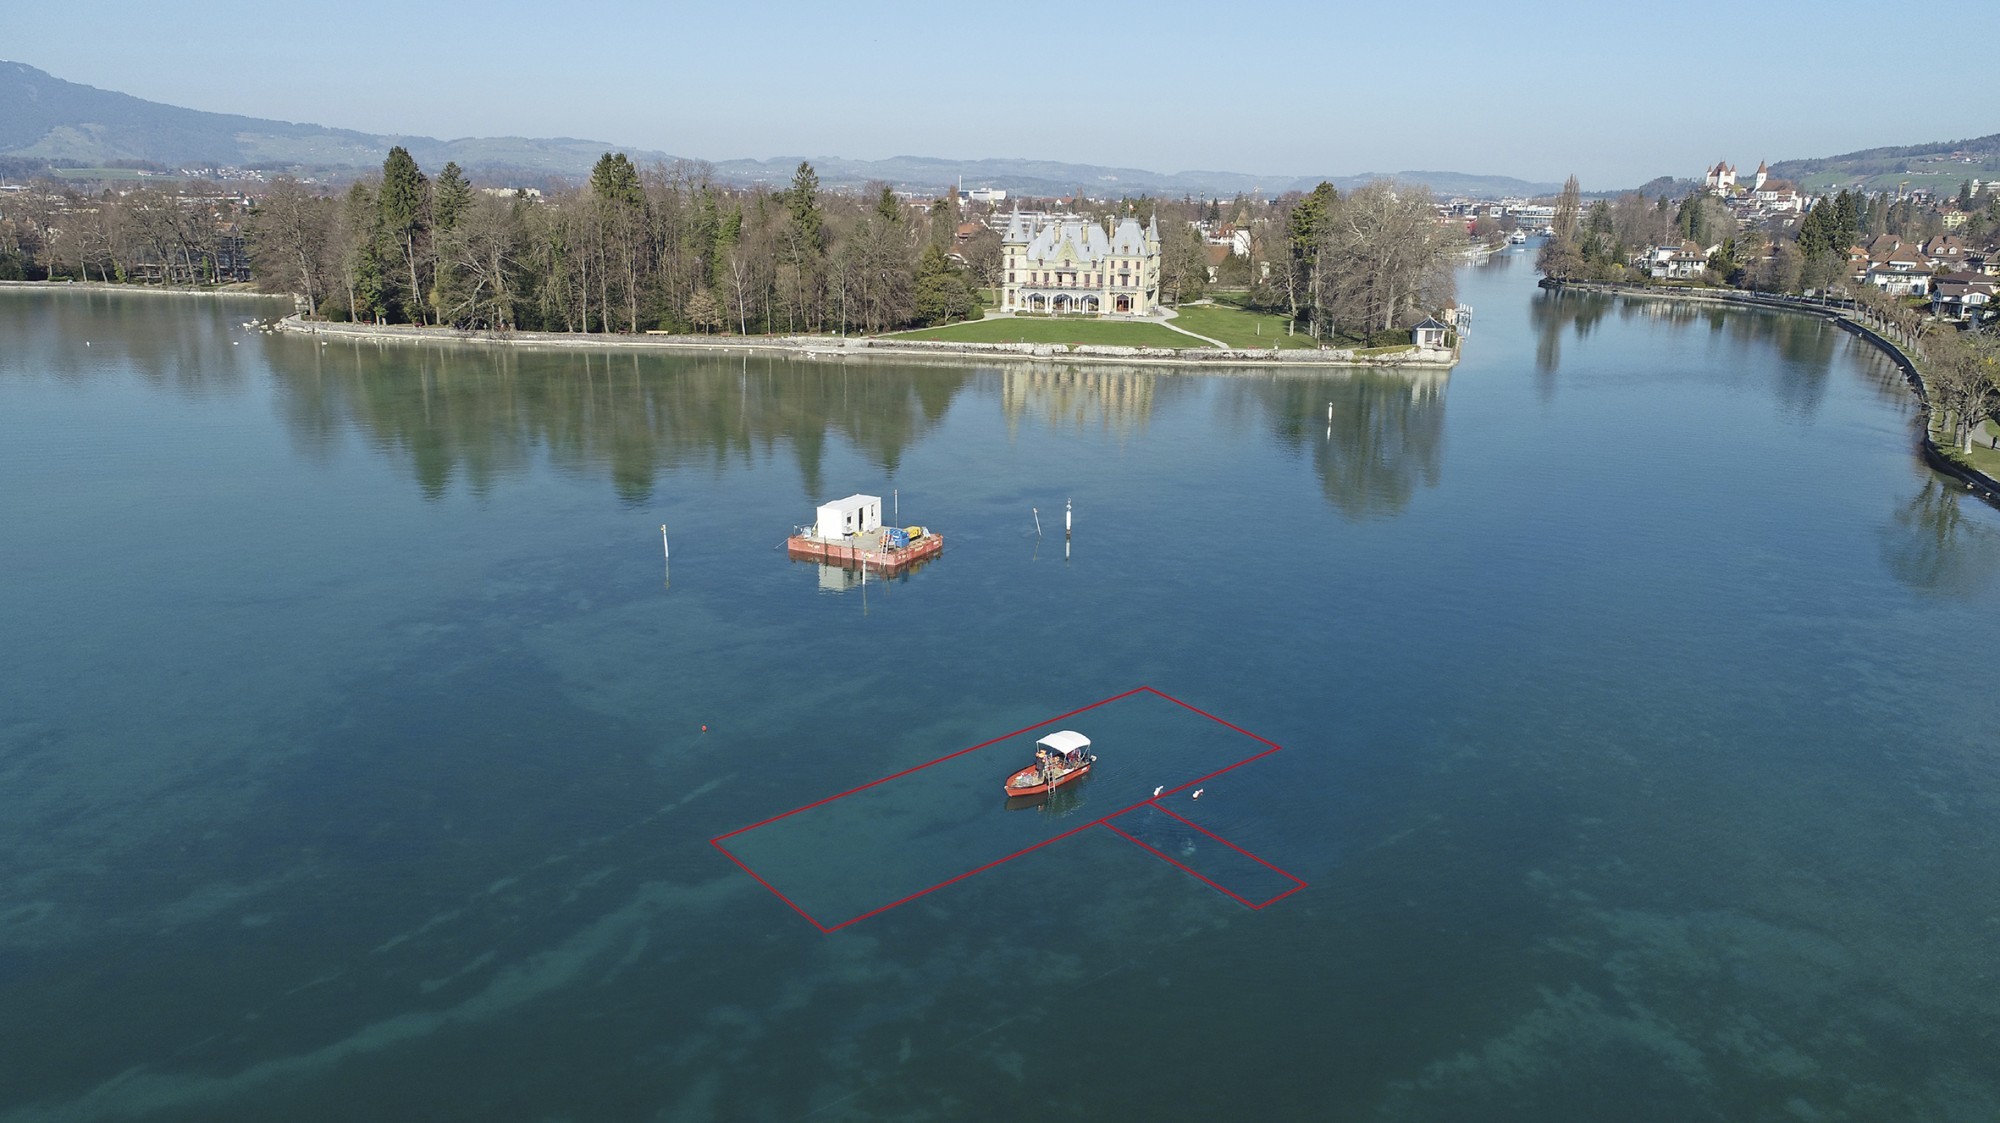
(1238, 328)
(1113, 333)
(1983, 457)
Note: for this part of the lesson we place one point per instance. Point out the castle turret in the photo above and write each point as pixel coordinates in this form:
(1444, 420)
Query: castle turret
(1017, 229)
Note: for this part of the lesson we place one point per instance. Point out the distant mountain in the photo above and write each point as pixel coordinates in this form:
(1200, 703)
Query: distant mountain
(1049, 177)
(72, 125)
(1939, 166)
(65, 124)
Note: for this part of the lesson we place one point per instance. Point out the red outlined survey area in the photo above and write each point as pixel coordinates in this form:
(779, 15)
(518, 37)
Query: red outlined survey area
(859, 853)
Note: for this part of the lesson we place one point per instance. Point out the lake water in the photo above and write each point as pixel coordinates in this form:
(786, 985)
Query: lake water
(1632, 683)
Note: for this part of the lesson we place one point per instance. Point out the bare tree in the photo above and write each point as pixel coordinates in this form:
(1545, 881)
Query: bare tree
(290, 231)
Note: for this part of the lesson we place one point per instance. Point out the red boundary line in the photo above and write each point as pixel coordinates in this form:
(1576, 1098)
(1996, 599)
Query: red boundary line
(1104, 821)
(1298, 882)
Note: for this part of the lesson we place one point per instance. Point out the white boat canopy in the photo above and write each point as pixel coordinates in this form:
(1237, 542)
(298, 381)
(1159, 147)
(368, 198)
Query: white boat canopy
(1066, 742)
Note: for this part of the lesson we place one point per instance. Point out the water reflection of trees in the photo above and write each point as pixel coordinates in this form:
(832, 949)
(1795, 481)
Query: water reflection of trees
(1931, 544)
(483, 416)
(180, 344)
(1386, 437)
(1550, 312)
(1805, 345)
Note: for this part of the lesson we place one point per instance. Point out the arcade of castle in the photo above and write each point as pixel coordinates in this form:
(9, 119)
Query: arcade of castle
(1073, 265)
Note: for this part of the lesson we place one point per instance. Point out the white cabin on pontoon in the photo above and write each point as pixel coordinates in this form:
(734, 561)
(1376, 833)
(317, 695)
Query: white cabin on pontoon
(855, 514)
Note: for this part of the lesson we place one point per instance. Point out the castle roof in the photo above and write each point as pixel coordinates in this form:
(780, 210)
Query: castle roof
(1017, 230)
(1078, 241)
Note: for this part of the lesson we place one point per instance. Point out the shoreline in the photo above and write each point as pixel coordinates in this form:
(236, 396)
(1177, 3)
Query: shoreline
(809, 346)
(160, 290)
(1935, 458)
(867, 347)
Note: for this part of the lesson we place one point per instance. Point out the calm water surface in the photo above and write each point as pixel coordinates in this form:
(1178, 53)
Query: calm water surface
(352, 764)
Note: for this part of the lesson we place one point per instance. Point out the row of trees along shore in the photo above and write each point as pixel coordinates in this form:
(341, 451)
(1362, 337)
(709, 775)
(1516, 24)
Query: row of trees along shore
(666, 248)
(661, 249)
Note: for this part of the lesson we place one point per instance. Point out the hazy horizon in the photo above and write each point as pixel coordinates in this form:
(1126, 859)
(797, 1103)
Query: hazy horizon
(1468, 88)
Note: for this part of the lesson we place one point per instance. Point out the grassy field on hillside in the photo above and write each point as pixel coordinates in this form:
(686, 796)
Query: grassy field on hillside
(1109, 333)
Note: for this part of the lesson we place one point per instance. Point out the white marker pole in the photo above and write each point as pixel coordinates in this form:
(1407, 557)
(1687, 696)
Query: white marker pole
(895, 505)
(666, 546)
(1038, 520)
(1066, 518)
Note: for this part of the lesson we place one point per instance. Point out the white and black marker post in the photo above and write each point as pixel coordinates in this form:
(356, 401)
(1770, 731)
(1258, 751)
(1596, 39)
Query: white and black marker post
(1066, 518)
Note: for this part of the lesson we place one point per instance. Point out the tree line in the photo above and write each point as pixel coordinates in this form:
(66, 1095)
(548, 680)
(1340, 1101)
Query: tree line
(666, 248)
(190, 236)
(1359, 266)
(630, 250)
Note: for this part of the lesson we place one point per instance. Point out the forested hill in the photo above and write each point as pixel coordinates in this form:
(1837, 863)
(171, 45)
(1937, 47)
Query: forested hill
(1940, 166)
(73, 125)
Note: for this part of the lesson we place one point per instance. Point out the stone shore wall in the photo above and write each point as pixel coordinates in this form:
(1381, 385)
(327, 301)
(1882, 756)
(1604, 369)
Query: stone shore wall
(824, 347)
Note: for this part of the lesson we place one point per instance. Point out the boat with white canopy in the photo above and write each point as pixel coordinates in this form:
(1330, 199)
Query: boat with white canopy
(1059, 758)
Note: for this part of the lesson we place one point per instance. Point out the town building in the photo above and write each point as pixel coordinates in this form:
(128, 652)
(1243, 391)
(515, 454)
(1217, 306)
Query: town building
(1684, 262)
(1721, 179)
(1897, 268)
(1957, 296)
(1075, 265)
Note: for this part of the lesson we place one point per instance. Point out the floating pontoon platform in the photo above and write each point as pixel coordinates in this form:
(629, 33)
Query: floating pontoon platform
(874, 549)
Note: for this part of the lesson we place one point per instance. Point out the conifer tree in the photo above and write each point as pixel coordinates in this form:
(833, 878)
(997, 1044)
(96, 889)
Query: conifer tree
(402, 203)
(450, 198)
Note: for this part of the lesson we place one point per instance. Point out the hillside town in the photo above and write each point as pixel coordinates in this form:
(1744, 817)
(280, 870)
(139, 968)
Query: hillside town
(1934, 254)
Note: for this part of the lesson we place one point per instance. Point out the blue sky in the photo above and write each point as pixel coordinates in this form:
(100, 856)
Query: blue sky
(1615, 93)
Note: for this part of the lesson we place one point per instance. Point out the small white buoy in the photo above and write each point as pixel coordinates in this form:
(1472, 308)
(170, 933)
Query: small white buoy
(1198, 791)
(1158, 790)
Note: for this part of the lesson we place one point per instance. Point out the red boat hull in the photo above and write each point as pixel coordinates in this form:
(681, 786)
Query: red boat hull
(1035, 786)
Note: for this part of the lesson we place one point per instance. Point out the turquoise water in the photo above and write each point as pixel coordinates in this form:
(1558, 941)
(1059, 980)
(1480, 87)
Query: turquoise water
(1638, 750)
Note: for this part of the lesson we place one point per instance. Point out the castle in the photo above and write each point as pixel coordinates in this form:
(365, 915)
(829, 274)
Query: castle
(1073, 265)
(1721, 179)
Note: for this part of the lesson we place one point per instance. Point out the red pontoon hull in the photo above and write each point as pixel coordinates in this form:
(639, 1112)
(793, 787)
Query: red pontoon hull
(1028, 781)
